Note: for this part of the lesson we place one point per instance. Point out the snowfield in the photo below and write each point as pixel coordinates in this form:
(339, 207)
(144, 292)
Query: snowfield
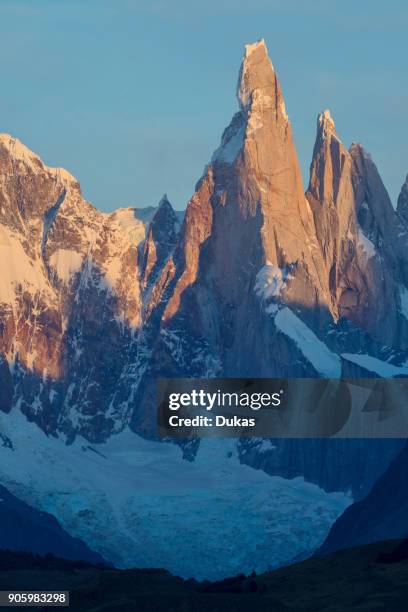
(323, 360)
(139, 504)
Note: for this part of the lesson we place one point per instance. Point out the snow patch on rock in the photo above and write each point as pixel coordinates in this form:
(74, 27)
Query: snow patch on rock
(229, 150)
(265, 445)
(271, 281)
(125, 221)
(17, 268)
(322, 359)
(66, 263)
(366, 244)
(377, 366)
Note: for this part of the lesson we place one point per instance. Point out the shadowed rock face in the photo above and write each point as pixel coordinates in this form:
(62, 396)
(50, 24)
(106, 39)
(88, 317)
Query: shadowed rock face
(381, 515)
(6, 385)
(160, 241)
(94, 306)
(25, 529)
(402, 206)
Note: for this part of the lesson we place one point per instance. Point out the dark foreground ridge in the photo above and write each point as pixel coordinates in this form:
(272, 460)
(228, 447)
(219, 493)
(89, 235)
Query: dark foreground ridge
(24, 528)
(381, 515)
(373, 577)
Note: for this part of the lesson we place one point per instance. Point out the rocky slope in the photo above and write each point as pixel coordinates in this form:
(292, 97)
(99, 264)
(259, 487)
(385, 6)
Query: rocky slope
(357, 230)
(260, 279)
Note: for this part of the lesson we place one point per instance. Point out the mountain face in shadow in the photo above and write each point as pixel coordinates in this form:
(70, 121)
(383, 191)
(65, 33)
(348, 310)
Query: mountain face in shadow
(381, 515)
(23, 528)
(257, 279)
(94, 306)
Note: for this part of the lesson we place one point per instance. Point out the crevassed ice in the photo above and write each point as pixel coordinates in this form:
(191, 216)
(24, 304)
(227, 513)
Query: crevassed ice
(141, 505)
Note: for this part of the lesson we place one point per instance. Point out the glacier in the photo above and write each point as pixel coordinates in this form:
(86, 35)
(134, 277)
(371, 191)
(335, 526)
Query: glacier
(140, 504)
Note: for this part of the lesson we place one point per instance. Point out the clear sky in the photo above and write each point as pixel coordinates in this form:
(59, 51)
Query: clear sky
(132, 96)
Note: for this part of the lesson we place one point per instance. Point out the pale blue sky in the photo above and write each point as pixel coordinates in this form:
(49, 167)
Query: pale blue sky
(132, 96)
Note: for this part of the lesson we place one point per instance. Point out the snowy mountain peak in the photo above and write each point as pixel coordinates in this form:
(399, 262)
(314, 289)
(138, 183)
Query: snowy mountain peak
(136, 293)
(259, 281)
(18, 152)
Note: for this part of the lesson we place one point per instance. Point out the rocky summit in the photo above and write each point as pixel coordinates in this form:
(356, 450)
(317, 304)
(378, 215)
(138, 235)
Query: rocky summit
(257, 278)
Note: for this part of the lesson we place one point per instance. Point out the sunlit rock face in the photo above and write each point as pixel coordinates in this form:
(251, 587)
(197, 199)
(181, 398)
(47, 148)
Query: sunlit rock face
(357, 230)
(247, 222)
(253, 244)
(259, 279)
(70, 297)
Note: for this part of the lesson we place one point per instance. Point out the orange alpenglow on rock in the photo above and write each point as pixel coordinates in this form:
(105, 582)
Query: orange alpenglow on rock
(259, 279)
